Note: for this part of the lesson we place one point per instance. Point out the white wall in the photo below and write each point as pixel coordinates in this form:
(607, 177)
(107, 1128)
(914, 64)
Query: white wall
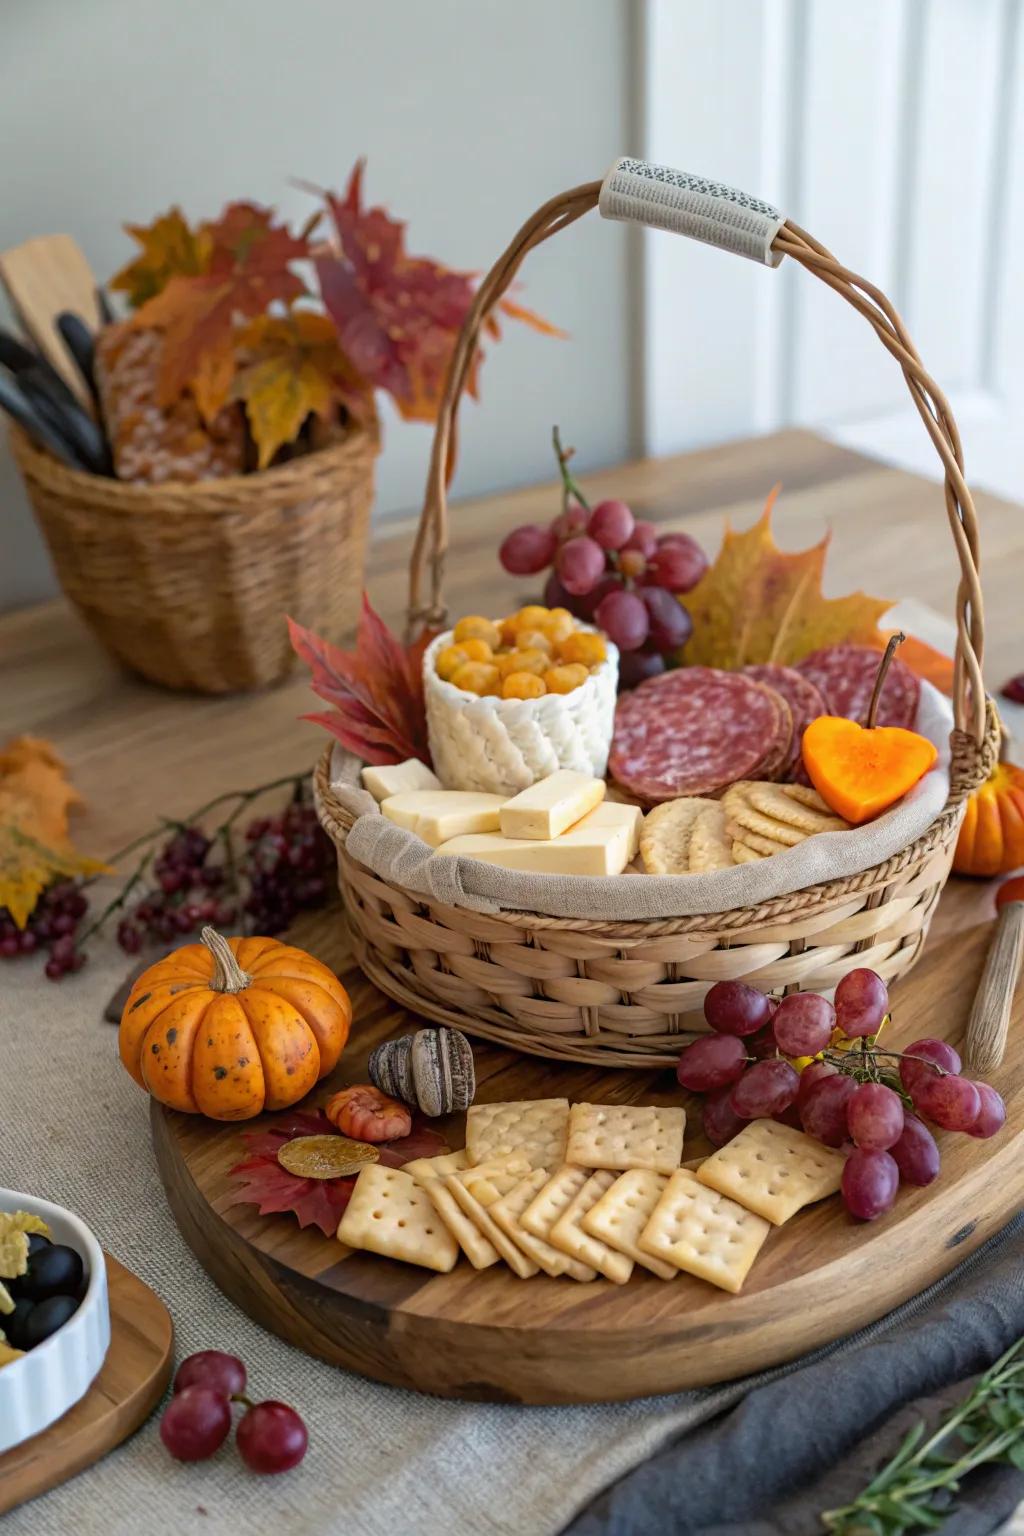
(471, 112)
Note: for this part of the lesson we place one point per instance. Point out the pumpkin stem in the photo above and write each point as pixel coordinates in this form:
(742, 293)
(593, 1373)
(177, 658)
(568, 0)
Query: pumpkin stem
(876, 693)
(228, 975)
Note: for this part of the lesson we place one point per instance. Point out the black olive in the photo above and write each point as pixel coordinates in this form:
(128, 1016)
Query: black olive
(36, 1240)
(46, 1317)
(55, 1270)
(14, 1322)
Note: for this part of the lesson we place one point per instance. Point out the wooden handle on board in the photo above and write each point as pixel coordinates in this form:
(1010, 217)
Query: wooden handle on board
(989, 1022)
(708, 211)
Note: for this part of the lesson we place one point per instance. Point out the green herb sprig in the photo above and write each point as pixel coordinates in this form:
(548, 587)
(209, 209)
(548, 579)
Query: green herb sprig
(916, 1489)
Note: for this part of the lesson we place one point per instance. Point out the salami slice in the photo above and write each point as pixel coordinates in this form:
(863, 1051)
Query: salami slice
(805, 699)
(846, 676)
(696, 730)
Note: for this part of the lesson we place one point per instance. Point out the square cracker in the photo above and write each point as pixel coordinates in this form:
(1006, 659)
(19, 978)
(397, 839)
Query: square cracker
(489, 1182)
(532, 1128)
(622, 1136)
(389, 1214)
(568, 1234)
(429, 1172)
(773, 1170)
(554, 1200)
(698, 1230)
(508, 1211)
(623, 1212)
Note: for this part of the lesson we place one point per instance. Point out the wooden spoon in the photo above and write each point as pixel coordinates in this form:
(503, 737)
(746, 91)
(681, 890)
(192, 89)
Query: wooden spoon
(990, 1016)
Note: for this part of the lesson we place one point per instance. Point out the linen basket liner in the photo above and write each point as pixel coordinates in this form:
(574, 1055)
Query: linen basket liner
(401, 858)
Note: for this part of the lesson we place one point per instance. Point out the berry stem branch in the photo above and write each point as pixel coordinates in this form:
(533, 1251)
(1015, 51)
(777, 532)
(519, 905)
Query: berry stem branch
(569, 485)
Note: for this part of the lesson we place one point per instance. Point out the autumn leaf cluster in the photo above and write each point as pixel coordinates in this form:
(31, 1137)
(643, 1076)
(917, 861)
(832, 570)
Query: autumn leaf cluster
(294, 326)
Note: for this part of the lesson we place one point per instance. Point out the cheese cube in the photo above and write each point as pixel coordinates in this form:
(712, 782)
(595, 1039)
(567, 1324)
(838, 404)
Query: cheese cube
(551, 805)
(602, 843)
(436, 815)
(395, 778)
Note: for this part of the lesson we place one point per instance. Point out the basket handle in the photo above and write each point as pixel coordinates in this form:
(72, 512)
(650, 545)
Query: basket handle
(719, 215)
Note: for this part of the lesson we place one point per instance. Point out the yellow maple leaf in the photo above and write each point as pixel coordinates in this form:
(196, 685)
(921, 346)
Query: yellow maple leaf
(292, 367)
(35, 798)
(170, 248)
(759, 603)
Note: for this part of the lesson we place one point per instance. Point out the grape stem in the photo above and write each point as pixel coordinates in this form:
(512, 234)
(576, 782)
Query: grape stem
(240, 1397)
(569, 485)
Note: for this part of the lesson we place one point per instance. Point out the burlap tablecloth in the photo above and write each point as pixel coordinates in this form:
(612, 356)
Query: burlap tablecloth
(74, 1128)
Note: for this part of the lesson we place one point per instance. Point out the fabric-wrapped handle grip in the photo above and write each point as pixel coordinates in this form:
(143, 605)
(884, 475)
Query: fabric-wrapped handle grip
(704, 210)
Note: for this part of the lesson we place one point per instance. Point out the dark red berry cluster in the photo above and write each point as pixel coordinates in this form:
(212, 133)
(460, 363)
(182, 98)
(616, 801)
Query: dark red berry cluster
(271, 1437)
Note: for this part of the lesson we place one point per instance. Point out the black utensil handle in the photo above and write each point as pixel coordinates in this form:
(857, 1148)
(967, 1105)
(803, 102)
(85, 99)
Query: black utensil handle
(81, 343)
(76, 426)
(21, 359)
(16, 406)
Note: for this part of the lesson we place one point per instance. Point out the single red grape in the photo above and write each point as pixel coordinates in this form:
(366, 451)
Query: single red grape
(862, 1001)
(874, 1116)
(586, 602)
(195, 1424)
(570, 523)
(790, 1116)
(992, 1116)
(635, 667)
(712, 1062)
(271, 1437)
(644, 538)
(611, 524)
(824, 1109)
(580, 565)
(670, 624)
(556, 596)
(527, 550)
(766, 1088)
(211, 1368)
(869, 1184)
(733, 1008)
(721, 1122)
(804, 1023)
(913, 1068)
(951, 1101)
(763, 1044)
(678, 563)
(915, 1153)
(813, 1073)
(624, 620)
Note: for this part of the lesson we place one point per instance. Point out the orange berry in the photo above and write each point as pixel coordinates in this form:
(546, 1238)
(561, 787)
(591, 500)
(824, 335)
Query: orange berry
(534, 661)
(583, 647)
(558, 625)
(449, 660)
(473, 627)
(532, 616)
(476, 650)
(533, 640)
(477, 677)
(565, 679)
(509, 629)
(523, 685)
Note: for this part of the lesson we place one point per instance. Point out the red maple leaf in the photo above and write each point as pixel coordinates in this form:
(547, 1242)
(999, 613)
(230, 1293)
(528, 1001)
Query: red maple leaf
(248, 269)
(376, 690)
(398, 316)
(314, 1202)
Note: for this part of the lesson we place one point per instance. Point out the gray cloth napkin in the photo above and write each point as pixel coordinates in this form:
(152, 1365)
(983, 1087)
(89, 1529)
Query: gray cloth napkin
(811, 1440)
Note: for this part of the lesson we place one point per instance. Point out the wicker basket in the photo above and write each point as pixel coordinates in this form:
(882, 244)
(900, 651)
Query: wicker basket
(188, 584)
(629, 993)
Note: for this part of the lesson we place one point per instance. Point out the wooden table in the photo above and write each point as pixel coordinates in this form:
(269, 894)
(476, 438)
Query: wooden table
(136, 751)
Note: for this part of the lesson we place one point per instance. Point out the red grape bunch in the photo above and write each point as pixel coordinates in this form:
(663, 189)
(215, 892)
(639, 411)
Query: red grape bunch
(52, 926)
(271, 1437)
(613, 570)
(869, 1102)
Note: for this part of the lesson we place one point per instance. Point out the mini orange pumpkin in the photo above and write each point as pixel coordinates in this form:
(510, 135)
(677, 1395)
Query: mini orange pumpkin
(991, 840)
(230, 1027)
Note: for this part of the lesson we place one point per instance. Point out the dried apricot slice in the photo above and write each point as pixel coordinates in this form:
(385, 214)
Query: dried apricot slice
(325, 1157)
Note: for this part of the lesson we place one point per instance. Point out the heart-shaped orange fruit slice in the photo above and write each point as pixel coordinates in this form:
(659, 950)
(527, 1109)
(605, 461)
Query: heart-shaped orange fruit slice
(859, 771)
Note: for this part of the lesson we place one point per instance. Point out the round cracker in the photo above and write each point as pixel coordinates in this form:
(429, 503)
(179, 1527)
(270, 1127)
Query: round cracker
(808, 813)
(710, 843)
(665, 835)
(765, 845)
(743, 855)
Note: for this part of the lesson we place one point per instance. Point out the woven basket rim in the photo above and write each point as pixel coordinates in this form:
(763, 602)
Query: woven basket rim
(284, 482)
(337, 822)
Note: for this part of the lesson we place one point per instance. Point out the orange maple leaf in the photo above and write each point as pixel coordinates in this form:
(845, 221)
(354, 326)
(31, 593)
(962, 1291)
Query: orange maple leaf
(289, 367)
(35, 798)
(759, 603)
(247, 271)
(170, 248)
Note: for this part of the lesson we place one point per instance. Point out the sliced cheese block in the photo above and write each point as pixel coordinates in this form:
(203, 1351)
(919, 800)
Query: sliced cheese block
(551, 805)
(397, 778)
(603, 843)
(439, 814)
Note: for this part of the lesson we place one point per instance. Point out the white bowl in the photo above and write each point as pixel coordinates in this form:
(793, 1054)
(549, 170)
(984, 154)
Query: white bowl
(50, 1379)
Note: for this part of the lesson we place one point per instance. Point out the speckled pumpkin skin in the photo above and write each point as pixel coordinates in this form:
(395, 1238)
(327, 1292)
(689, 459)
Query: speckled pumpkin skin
(231, 1055)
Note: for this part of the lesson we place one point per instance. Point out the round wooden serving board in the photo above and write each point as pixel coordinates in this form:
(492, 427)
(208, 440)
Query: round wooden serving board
(487, 1335)
(124, 1394)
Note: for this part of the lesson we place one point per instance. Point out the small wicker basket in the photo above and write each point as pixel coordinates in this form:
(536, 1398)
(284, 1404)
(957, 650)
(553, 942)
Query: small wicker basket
(629, 993)
(189, 584)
